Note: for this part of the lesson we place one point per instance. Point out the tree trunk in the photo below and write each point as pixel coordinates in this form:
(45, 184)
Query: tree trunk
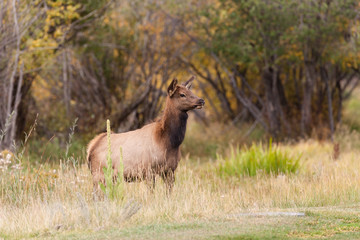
(270, 103)
(307, 99)
(325, 77)
(339, 110)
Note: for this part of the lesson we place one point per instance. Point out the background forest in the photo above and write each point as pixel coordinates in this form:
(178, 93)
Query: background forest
(286, 66)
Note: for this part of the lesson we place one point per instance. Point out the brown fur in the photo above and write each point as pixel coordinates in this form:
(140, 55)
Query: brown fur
(153, 149)
(92, 145)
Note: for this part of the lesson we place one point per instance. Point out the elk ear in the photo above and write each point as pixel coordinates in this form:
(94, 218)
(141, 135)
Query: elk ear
(188, 83)
(172, 87)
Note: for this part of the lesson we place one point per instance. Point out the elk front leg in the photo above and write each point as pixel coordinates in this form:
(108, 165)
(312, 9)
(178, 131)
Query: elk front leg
(169, 179)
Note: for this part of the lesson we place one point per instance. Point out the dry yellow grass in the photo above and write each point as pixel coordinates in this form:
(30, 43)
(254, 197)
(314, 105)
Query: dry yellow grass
(43, 201)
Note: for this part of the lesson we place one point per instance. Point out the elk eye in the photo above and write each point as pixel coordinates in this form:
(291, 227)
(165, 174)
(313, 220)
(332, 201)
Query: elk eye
(182, 95)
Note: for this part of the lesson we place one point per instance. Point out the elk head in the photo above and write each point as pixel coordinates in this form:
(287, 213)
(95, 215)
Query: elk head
(181, 96)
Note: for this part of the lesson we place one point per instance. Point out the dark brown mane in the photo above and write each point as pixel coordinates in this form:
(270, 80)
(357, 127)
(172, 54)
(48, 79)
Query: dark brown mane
(171, 127)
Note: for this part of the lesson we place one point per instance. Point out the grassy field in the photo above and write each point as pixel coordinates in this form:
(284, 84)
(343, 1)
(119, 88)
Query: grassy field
(47, 197)
(55, 201)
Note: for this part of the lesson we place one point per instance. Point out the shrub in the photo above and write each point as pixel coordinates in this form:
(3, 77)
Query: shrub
(250, 161)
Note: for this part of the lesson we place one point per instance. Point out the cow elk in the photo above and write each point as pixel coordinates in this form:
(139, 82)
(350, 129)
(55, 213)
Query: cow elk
(152, 150)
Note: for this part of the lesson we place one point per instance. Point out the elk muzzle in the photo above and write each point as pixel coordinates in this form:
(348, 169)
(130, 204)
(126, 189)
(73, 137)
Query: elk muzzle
(200, 103)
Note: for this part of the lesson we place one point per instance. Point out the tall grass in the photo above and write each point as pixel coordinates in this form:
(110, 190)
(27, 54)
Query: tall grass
(114, 186)
(197, 194)
(257, 159)
(42, 200)
(70, 138)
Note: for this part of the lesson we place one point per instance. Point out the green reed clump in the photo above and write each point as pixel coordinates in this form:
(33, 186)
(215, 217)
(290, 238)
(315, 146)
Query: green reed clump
(114, 186)
(256, 159)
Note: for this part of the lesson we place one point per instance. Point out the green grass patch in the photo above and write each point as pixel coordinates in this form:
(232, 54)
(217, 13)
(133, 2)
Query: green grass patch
(327, 225)
(317, 224)
(256, 159)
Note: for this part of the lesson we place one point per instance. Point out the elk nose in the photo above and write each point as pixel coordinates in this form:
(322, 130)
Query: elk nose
(201, 101)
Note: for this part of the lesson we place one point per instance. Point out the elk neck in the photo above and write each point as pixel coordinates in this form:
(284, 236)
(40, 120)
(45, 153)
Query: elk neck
(173, 126)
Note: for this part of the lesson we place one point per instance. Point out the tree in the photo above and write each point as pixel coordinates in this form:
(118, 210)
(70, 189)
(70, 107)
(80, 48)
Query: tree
(280, 60)
(121, 70)
(31, 34)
